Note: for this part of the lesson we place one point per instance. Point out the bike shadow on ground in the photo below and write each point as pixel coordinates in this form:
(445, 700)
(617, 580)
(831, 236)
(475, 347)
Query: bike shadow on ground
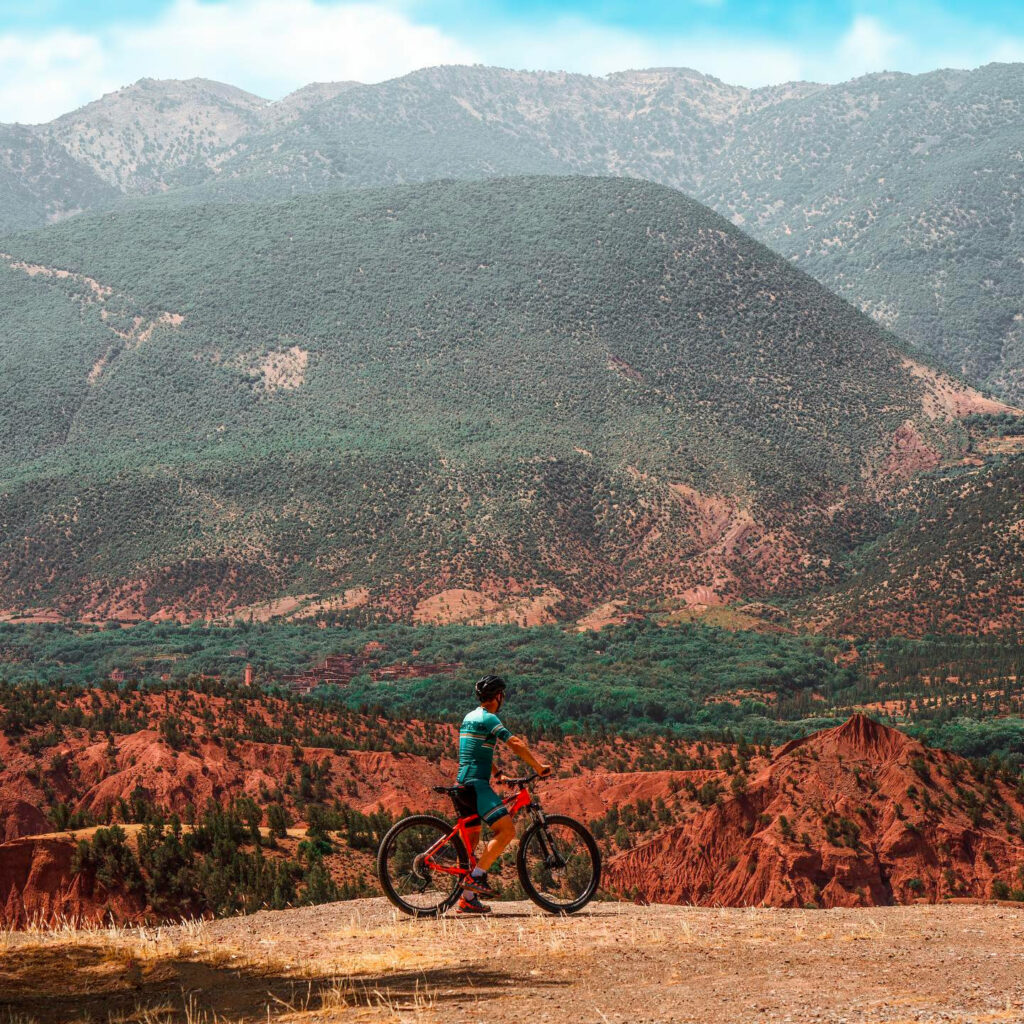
(89, 984)
(538, 914)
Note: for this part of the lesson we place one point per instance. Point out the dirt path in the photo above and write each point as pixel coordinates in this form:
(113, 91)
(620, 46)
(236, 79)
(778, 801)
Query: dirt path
(957, 964)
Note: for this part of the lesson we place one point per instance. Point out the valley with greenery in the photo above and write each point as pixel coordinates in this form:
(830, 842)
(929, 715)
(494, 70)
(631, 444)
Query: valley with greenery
(689, 681)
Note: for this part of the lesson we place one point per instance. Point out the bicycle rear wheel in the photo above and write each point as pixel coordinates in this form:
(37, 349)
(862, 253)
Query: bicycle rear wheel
(559, 864)
(406, 874)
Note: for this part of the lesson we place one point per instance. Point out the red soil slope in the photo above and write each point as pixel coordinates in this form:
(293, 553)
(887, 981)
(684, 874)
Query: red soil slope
(178, 750)
(38, 886)
(856, 815)
(258, 746)
(853, 816)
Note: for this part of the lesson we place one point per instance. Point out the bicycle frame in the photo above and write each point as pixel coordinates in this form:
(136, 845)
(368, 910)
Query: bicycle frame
(515, 803)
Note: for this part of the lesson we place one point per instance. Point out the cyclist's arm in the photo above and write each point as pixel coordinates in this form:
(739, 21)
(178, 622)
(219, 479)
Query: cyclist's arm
(520, 748)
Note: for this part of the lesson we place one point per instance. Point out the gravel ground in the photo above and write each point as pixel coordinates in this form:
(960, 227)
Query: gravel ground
(613, 962)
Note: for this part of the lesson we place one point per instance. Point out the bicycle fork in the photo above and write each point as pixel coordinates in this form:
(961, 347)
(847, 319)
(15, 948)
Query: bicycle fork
(553, 860)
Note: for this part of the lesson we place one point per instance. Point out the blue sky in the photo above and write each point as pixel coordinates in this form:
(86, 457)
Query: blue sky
(57, 54)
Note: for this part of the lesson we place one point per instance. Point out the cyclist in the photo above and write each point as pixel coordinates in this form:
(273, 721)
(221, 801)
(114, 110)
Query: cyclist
(480, 731)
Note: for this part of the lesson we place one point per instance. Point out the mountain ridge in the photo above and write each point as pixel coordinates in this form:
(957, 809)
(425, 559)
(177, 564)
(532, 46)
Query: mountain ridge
(897, 191)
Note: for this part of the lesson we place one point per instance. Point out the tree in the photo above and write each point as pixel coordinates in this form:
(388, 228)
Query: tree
(319, 886)
(277, 821)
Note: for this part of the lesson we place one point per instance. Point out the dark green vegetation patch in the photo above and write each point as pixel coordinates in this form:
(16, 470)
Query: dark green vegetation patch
(691, 681)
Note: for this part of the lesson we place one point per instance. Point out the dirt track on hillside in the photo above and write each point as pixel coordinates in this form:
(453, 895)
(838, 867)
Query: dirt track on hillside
(360, 961)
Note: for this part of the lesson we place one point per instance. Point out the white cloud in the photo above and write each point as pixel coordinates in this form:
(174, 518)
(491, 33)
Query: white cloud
(267, 46)
(867, 47)
(868, 44)
(1010, 50)
(43, 76)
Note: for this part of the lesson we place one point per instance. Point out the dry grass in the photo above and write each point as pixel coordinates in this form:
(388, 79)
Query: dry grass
(143, 941)
(362, 961)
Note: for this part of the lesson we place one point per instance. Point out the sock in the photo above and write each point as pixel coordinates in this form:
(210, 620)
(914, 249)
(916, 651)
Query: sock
(477, 873)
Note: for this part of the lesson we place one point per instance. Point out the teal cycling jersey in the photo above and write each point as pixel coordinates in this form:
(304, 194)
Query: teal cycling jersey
(480, 731)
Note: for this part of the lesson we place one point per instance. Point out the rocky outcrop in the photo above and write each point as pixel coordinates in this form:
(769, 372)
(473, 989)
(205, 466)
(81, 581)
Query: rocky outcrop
(20, 818)
(858, 815)
(39, 885)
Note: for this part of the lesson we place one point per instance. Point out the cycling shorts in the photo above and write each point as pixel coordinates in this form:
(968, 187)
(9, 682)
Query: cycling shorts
(475, 798)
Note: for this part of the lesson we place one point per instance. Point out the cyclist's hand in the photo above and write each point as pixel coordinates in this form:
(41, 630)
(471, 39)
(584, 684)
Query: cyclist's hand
(545, 771)
(500, 777)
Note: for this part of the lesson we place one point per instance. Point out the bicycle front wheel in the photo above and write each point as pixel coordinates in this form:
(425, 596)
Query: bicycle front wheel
(418, 863)
(559, 864)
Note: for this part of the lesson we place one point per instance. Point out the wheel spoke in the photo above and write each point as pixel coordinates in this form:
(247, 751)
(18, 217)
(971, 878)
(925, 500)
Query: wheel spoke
(408, 880)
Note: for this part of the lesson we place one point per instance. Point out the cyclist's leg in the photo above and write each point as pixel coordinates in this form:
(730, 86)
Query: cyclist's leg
(504, 830)
(465, 807)
(494, 814)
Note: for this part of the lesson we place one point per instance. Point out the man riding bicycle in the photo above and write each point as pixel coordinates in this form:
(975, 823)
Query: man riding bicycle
(479, 734)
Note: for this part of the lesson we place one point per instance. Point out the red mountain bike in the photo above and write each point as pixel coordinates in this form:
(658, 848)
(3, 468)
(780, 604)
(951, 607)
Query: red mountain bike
(423, 861)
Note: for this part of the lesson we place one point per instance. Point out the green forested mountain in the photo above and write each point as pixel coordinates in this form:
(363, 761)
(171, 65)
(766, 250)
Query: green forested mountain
(900, 192)
(543, 391)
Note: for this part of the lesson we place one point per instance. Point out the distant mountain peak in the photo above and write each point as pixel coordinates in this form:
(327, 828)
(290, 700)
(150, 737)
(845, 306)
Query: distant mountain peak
(141, 137)
(156, 89)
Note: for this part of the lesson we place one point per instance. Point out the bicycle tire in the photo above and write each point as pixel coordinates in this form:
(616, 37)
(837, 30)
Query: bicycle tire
(387, 883)
(531, 836)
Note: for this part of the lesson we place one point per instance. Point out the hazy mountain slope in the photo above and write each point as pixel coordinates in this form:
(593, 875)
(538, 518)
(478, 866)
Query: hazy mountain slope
(296, 103)
(543, 390)
(40, 183)
(468, 122)
(902, 193)
(406, 130)
(154, 133)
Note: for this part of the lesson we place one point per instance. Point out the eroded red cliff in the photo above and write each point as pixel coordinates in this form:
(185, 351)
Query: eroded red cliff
(857, 815)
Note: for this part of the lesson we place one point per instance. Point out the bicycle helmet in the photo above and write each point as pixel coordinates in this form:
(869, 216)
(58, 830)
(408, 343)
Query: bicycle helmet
(489, 687)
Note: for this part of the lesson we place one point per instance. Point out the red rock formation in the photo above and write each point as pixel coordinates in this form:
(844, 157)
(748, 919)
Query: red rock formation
(20, 818)
(214, 757)
(38, 885)
(909, 455)
(853, 816)
(859, 814)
